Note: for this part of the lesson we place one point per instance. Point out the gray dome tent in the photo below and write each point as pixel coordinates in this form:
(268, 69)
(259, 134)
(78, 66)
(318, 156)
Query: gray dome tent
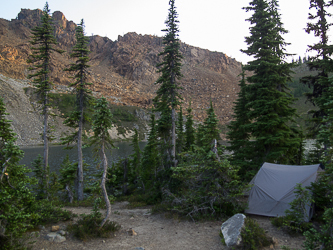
(274, 185)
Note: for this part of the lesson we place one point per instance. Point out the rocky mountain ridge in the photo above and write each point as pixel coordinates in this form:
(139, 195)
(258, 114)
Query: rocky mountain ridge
(124, 71)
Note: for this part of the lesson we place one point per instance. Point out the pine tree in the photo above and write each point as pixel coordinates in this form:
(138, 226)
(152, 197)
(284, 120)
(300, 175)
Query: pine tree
(16, 199)
(321, 97)
(180, 142)
(150, 158)
(206, 183)
(102, 141)
(78, 116)
(189, 129)
(135, 158)
(238, 135)
(68, 171)
(322, 63)
(211, 134)
(40, 59)
(167, 98)
(199, 136)
(269, 101)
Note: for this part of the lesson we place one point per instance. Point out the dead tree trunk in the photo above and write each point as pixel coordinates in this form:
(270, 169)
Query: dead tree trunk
(105, 194)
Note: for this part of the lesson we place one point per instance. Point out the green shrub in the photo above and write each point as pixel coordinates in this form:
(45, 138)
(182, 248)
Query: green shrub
(206, 187)
(253, 236)
(290, 225)
(88, 226)
(48, 213)
(323, 237)
(278, 221)
(296, 217)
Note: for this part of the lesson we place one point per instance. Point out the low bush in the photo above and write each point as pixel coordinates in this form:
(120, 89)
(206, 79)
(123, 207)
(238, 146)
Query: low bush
(296, 218)
(88, 226)
(207, 188)
(290, 225)
(321, 238)
(48, 213)
(253, 236)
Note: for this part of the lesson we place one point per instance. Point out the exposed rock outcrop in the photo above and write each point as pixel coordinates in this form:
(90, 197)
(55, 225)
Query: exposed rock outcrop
(124, 71)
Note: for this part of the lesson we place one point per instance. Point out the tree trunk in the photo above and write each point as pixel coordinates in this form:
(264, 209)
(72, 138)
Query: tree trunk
(79, 187)
(105, 194)
(214, 149)
(70, 193)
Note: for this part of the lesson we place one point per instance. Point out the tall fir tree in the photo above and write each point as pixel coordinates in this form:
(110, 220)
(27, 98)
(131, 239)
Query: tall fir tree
(180, 142)
(199, 135)
(204, 177)
(321, 97)
(101, 140)
(167, 97)
(321, 63)
(78, 117)
(238, 134)
(150, 159)
(189, 129)
(44, 44)
(16, 199)
(269, 102)
(135, 158)
(211, 133)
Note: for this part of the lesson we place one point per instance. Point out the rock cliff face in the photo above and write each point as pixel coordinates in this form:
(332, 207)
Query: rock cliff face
(24, 112)
(124, 70)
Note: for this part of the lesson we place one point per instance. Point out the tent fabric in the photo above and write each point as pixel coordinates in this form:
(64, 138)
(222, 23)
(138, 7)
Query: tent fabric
(274, 186)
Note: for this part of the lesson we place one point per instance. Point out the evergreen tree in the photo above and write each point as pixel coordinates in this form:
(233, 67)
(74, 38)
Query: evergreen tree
(38, 170)
(322, 63)
(150, 158)
(67, 176)
(199, 136)
(135, 158)
(269, 101)
(189, 130)
(167, 98)
(78, 117)
(102, 141)
(211, 134)
(323, 189)
(6, 133)
(207, 184)
(16, 199)
(238, 134)
(180, 142)
(40, 59)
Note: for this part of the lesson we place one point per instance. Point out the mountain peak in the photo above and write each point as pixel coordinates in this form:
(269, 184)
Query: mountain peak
(125, 70)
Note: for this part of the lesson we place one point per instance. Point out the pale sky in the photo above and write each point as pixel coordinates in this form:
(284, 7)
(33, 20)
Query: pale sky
(216, 25)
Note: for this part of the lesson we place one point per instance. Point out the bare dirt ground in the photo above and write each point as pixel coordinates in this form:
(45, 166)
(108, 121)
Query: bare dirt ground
(156, 232)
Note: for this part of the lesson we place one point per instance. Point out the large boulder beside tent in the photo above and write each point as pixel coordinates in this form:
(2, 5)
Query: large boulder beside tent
(274, 185)
(231, 229)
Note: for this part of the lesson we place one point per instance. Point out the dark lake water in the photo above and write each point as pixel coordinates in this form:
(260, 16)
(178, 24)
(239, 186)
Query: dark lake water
(57, 154)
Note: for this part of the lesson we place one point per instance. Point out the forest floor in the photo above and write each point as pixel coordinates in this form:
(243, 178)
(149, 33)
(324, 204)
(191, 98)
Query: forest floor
(158, 232)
